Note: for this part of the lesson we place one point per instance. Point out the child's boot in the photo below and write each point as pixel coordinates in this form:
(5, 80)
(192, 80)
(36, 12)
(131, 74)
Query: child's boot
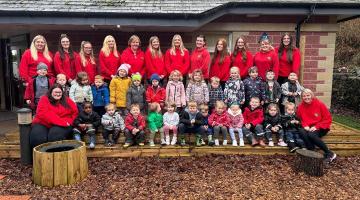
(241, 142)
(182, 141)
(210, 140)
(92, 139)
(198, 140)
(217, 142)
(224, 142)
(77, 134)
(174, 140)
(262, 143)
(167, 140)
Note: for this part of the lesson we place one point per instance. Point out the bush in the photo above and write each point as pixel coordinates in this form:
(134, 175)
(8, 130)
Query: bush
(345, 92)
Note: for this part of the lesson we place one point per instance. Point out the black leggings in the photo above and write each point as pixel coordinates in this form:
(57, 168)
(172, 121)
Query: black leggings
(312, 139)
(40, 134)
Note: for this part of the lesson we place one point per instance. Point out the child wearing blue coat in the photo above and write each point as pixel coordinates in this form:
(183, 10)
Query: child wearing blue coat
(100, 94)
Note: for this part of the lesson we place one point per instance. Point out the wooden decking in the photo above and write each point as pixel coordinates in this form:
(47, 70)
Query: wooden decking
(342, 140)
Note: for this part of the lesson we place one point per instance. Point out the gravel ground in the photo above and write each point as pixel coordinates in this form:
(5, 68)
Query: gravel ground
(210, 177)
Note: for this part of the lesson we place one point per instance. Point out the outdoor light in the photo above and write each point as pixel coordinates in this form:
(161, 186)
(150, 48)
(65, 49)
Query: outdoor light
(24, 121)
(24, 116)
(118, 26)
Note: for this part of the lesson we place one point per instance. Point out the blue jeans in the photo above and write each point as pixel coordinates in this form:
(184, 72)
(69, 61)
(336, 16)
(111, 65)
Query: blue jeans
(232, 133)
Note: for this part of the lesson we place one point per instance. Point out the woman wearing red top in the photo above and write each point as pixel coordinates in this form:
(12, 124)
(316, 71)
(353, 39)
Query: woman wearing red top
(109, 58)
(241, 57)
(200, 57)
(316, 120)
(37, 53)
(289, 58)
(177, 57)
(134, 56)
(64, 59)
(154, 60)
(266, 59)
(220, 63)
(85, 61)
(54, 117)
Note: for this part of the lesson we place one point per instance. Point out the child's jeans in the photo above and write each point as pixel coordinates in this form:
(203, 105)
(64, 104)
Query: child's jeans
(168, 128)
(130, 138)
(269, 132)
(115, 134)
(232, 133)
(293, 139)
(152, 134)
(254, 133)
(183, 129)
(90, 130)
(218, 129)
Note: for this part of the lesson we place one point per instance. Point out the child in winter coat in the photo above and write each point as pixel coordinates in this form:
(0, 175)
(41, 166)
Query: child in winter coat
(215, 93)
(191, 122)
(197, 89)
(87, 122)
(38, 86)
(291, 90)
(234, 91)
(136, 93)
(219, 121)
(119, 86)
(236, 123)
(134, 127)
(204, 110)
(100, 94)
(171, 122)
(175, 90)
(254, 86)
(155, 93)
(113, 124)
(292, 126)
(272, 124)
(80, 90)
(253, 119)
(272, 89)
(61, 80)
(155, 123)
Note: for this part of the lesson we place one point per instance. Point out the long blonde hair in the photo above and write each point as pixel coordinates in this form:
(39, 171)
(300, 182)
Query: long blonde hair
(154, 52)
(182, 47)
(105, 48)
(82, 54)
(34, 51)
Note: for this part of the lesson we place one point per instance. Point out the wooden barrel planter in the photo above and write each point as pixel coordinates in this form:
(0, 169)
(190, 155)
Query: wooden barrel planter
(59, 163)
(310, 162)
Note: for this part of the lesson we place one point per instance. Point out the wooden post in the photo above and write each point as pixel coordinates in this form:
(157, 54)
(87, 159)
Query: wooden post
(310, 162)
(59, 163)
(302, 55)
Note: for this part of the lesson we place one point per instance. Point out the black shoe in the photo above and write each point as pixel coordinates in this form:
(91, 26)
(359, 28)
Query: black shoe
(329, 158)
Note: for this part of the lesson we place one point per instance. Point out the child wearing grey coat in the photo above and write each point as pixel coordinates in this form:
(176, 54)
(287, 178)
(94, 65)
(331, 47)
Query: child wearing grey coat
(113, 124)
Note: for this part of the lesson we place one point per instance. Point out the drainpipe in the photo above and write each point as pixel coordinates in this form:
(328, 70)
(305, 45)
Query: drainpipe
(298, 25)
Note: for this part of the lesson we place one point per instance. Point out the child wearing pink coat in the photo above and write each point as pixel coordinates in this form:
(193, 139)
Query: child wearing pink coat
(236, 123)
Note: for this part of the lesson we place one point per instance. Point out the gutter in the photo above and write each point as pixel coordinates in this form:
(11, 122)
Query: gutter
(301, 22)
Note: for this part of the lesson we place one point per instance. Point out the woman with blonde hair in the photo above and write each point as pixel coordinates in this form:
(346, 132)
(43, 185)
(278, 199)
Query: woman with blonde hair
(109, 58)
(154, 60)
(38, 53)
(85, 61)
(64, 59)
(242, 57)
(134, 56)
(177, 57)
(220, 63)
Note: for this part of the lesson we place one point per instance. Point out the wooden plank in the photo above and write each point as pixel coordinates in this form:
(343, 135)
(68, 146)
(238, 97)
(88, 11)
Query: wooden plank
(73, 163)
(60, 168)
(46, 169)
(83, 162)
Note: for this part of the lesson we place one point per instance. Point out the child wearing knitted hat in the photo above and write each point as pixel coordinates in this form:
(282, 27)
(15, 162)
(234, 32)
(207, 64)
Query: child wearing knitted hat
(136, 93)
(155, 93)
(119, 86)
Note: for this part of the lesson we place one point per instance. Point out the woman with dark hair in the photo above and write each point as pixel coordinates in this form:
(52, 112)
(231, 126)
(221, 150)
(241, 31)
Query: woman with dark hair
(200, 57)
(289, 58)
(220, 63)
(64, 59)
(54, 117)
(242, 57)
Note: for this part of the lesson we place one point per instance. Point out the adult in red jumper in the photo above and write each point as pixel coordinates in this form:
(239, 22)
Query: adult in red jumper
(109, 58)
(316, 120)
(200, 57)
(289, 58)
(220, 63)
(242, 57)
(85, 61)
(155, 60)
(64, 59)
(134, 56)
(37, 53)
(177, 57)
(266, 59)
(54, 117)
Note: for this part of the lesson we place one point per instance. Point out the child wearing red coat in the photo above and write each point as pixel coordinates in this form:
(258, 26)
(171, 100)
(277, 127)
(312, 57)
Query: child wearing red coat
(134, 127)
(253, 119)
(220, 122)
(154, 92)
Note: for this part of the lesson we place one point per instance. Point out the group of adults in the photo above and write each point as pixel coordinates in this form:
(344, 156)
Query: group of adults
(60, 111)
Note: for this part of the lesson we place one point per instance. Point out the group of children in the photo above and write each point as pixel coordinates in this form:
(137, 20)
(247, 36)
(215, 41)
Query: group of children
(204, 107)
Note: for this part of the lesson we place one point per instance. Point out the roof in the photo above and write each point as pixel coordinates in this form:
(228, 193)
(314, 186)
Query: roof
(145, 6)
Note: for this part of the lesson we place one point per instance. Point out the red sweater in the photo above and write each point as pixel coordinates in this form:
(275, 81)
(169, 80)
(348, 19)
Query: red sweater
(66, 66)
(90, 69)
(28, 65)
(265, 61)
(253, 117)
(243, 65)
(221, 70)
(285, 68)
(129, 122)
(30, 90)
(154, 64)
(216, 119)
(314, 114)
(200, 59)
(109, 64)
(157, 95)
(55, 115)
(177, 61)
(136, 61)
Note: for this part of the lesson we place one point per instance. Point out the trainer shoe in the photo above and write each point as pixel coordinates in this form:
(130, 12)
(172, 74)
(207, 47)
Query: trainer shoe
(224, 142)
(271, 143)
(126, 145)
(151, 143)
(217, 142)
(234, 143)
(92, 146)
(282, 144)
(241, 142)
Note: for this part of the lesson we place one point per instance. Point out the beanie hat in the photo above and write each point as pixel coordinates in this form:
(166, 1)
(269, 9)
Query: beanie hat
(41, 65)
(264, 36)
(136, 77)
(154, 77)
(125, 67)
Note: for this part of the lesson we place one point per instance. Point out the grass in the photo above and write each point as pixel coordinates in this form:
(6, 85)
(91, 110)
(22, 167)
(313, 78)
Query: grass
(347, 120)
